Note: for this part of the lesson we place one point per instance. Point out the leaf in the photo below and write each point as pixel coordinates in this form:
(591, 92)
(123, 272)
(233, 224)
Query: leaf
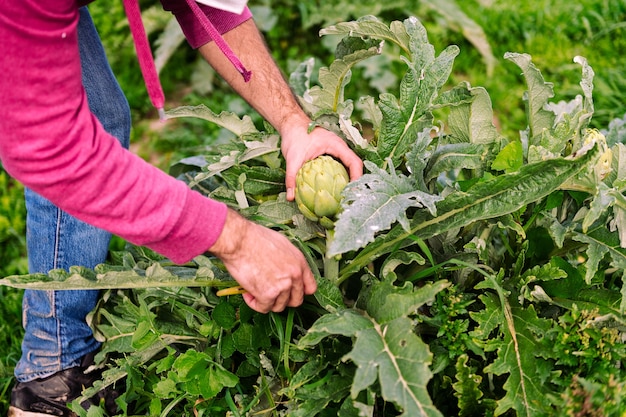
(395, 259)
(519, 351)
(487, 199)
(391, 353)
(458, 20)
(259, 180)
(370, 27)
(226, 120)
(510, 158)
(405, 117)
(471, 119)
(457, 156)
(247, 150)
(372, 203)
(536, 97)
(386, 302)
(329, 95)
(467, 389)
(400, 360)
(601, 242)
(106, 277)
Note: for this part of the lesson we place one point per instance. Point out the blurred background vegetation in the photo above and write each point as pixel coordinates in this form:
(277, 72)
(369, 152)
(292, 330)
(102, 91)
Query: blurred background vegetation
(552, 32)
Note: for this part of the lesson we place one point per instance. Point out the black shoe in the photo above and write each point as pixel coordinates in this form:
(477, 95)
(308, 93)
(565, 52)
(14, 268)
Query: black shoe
(49, 396)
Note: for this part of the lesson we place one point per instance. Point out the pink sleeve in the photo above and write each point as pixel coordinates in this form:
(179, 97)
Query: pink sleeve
(50, 141)
(193, 30)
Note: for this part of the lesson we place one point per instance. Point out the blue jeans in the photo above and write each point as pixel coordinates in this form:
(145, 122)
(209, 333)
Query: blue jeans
(56, 333)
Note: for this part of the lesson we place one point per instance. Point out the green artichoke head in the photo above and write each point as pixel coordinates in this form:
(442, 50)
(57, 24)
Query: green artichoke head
(319, 184)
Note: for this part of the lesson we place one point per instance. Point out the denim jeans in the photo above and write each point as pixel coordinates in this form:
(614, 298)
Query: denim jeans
(56, 333)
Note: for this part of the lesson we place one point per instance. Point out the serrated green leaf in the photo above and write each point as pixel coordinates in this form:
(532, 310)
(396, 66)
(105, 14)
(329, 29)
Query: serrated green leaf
(457, 156)
(405, 117)
(386, 302)
(400, 361)
(259, 180)
(467, 389)
(123, 279)
(519, 353)
(488, 199)
(391, 353)
(601, 242)
(371, 204)
(267, 144)
(396, 259)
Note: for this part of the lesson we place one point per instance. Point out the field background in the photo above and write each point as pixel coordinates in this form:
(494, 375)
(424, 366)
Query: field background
(552, 32)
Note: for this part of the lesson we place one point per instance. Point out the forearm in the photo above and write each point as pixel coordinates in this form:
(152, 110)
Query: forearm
(267, 91)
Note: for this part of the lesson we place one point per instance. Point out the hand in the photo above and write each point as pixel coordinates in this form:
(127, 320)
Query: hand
(298, 147)
(265, 263)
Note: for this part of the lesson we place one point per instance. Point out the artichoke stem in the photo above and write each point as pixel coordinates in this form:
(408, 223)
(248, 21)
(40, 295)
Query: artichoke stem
(331, 263)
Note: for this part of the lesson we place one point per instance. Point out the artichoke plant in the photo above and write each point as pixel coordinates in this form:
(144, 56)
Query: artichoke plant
(319, 184)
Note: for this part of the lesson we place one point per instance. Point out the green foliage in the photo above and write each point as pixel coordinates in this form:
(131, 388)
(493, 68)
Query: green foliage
(12, 226)
(10, 341)
(470, 272)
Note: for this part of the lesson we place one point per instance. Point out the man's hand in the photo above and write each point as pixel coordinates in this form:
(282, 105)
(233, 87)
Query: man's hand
(265, 263)
(298, 146)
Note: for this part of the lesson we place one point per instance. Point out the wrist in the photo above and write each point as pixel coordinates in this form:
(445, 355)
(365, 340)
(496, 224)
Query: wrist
(229, 241)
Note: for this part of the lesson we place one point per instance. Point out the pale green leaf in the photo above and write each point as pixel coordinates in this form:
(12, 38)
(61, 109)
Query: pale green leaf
(370, 27)
(391, 353)
(329, 95)
(226, 120)
(536, 97)
(453, 156)
(467, 389)
(396, 259)
(372, 204)
(471, 120)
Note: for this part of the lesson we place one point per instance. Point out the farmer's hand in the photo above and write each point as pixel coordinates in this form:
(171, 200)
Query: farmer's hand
(298, 147)
(265, 263)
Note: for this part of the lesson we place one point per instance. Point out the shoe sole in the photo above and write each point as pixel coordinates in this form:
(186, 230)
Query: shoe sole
(16, 412)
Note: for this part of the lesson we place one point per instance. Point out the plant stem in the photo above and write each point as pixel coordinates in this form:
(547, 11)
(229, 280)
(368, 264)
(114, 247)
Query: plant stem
(331, 264)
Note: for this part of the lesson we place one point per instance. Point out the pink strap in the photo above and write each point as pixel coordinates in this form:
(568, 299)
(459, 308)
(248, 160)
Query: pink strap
(219, 41)
(146, 60)
(144, 55)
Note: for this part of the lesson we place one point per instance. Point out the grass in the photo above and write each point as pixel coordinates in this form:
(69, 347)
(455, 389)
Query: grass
(10, 339)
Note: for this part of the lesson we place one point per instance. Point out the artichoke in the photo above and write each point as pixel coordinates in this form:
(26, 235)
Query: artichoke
(319, 184)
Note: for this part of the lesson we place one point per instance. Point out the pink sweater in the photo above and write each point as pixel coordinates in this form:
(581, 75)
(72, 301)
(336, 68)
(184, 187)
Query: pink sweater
(50, 141)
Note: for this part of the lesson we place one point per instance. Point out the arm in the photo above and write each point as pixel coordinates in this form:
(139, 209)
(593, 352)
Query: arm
(270, 95)
(50, 141)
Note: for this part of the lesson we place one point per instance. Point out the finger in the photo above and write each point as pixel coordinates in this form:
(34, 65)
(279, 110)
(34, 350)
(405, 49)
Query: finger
(353, 163)
(297, 294)
(254, 304)
(310, 285)
(281, 301)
